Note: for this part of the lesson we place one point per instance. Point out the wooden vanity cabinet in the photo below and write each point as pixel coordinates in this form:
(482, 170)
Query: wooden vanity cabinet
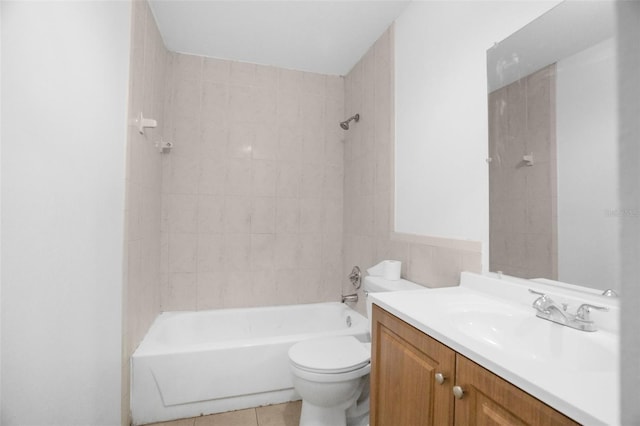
(404, 364)
(406, 389)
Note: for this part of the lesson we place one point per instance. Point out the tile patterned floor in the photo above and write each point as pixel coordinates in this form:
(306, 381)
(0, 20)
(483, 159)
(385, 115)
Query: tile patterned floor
(287, 414)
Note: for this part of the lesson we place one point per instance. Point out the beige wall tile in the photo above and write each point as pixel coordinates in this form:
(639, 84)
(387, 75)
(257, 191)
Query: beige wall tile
(286, 253)
(263, 215)
(237, 251)
(182, 252)
(210, 180)
(182, 213)
(242, 73)
(263, 178)
(265, 144)
(237, 287)
(143, 238)
(262, 251)
(335, 87)
(187, 67)
(255, 181)
(210, 289)
(263, 287)
(238, 177)
(214, 140)
(311, 215)
(211, 253)
(217, 70)
(266, 76)
(290, 81)
(288, 107)
(311, 180)
(288, 178)
(288, 286)
(288, 216)
(310, 255)
(180, 175)
(290, 143)
(420, 267)
(215, 104)
(210, 216)
(181, 293)
(522, 207)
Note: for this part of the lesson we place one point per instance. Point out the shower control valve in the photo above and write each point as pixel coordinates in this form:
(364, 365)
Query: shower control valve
(356, 277)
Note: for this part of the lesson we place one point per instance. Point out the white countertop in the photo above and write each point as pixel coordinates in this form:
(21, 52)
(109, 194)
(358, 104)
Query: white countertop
(491, 322)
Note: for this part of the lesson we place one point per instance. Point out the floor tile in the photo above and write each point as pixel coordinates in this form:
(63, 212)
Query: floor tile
(287, 414)
(231, 418)
(181, 422)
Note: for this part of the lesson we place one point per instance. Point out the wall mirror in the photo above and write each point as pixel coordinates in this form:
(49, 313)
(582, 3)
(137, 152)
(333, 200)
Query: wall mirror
(553, 148)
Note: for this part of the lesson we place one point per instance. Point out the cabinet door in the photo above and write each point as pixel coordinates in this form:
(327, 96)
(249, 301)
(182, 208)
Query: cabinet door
(490, 400)
(404, 362)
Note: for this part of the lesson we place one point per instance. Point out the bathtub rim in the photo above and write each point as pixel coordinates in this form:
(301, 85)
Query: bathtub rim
(154, 348)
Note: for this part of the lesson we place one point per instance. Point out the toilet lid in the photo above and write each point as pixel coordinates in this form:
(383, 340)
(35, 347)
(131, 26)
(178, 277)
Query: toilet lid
(331, 355)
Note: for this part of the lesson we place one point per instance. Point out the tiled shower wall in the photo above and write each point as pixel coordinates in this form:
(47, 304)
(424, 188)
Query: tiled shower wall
(141, 302)
(369, 184)
(523, 199)
(252, 192)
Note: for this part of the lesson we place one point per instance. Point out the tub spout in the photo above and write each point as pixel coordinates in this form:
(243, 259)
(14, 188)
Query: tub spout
(350, 297)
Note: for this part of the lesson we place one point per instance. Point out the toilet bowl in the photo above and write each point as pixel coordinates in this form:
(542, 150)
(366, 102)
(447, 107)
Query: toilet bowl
(332, 375)
(329, 374)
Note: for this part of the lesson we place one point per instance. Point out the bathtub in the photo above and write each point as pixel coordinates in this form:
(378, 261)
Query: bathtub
(194, 363)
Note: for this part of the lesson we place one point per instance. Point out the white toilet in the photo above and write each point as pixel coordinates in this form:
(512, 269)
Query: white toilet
(330, 374)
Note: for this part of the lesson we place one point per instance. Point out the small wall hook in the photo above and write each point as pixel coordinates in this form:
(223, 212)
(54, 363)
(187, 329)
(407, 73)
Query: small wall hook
(528, 159)
(141, 123)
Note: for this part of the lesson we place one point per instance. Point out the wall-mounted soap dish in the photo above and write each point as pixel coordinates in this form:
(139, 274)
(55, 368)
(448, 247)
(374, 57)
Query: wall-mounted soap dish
(164, 147)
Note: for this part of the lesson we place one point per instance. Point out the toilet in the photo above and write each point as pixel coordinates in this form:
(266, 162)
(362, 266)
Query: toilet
(332, 374)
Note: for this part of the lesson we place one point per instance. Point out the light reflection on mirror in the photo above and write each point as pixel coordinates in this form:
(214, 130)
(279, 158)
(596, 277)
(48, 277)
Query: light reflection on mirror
(553, 171)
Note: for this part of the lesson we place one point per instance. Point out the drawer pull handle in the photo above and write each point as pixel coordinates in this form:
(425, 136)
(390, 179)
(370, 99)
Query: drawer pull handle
(458, 392)
(440, 378)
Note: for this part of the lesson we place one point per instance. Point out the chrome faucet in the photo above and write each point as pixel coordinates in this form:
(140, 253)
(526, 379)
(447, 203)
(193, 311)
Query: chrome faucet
(548, 309)
(350, 297)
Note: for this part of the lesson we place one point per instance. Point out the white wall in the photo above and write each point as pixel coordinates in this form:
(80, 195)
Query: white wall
(441, 177)
(64, 96)
(588, 201)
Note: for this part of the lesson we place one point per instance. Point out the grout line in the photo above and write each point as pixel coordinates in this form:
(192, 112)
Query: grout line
(255, 413)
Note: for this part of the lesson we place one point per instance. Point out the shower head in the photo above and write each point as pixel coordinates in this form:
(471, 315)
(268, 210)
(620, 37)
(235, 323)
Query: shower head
(345, 124)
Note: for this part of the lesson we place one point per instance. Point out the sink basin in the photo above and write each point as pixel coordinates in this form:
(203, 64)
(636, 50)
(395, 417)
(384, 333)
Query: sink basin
(528, 338)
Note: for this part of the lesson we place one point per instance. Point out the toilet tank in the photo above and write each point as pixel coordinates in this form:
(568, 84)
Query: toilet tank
(379, 284)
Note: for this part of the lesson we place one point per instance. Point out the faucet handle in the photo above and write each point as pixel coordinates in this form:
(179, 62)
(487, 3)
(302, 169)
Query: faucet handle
(583, 311)
(542, 303)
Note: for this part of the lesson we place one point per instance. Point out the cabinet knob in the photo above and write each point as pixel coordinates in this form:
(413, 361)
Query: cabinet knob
(440, 378)
(458, 392)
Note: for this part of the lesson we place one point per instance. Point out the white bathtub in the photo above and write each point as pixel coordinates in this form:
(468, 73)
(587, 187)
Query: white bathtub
(193, 363)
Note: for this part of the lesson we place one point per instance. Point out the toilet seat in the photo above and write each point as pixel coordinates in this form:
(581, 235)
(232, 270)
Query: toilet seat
(334, 355)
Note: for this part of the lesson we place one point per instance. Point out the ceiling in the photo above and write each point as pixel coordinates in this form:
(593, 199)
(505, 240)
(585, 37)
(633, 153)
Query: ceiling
(327, 37)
